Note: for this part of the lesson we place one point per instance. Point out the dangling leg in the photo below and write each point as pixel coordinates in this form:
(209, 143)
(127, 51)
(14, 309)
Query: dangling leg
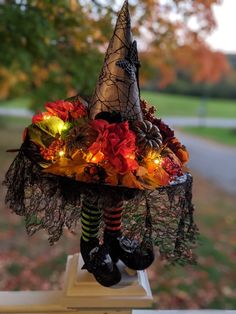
(130, 252)
(91, 218)
(96, 258)
(112, 218)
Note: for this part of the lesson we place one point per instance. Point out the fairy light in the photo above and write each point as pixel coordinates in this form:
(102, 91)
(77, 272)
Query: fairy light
(153, 161)
(130, 156)
(94, 159)
(61, 153)
(46, 116)
(157, 161)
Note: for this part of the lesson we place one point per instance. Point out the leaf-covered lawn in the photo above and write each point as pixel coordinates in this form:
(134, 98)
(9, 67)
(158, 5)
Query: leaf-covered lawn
(29, 263)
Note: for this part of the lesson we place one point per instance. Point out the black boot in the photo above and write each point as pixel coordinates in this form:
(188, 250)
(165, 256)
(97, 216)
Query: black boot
(98, 262)
(130, 252)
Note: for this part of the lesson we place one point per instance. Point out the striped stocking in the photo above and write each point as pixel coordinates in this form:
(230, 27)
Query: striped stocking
(91, 218)
(112, 218)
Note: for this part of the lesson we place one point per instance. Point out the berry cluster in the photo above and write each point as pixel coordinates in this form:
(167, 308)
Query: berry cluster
(148, 111)
(149, 114)
(171, 167)
(52, 151)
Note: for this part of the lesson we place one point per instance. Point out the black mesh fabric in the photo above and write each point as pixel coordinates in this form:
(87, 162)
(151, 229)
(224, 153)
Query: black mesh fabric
(163, 217)
(46, 201)
(117, 88)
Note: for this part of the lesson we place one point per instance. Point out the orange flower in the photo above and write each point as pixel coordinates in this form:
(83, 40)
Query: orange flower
(178, 149)
(38, 117)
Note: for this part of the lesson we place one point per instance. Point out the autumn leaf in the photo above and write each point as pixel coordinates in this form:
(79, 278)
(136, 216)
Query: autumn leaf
(39, 137)
(131, 181)
(52, 126)
(68, 167)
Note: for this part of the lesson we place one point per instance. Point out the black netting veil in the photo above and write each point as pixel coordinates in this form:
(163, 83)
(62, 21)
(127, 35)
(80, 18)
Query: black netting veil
(163, 217)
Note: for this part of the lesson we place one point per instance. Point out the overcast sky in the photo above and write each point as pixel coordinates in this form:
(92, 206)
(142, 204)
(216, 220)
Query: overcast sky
(224, 37)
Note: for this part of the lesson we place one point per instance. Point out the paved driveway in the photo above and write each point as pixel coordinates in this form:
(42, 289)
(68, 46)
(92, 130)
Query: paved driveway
(209, 122)
(213, 161)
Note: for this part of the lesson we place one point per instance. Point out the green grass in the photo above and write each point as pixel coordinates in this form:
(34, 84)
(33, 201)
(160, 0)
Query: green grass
(167, 105)
(221, 135)
(16, 103)
(13, 122)
(176, 105)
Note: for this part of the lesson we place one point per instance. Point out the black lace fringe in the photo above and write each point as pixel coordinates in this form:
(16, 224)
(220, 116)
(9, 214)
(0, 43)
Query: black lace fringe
(163, 217)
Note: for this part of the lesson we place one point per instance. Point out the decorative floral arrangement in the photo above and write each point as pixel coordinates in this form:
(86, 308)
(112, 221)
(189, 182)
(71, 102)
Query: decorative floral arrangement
(110, 164)
(136, 154)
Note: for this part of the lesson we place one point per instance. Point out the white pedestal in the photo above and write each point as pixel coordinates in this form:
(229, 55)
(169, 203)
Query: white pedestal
(132, 292)
(82, 294)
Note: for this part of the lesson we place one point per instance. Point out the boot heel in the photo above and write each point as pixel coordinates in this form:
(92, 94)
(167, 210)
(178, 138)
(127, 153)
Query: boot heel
(114, 258)
(113, 254)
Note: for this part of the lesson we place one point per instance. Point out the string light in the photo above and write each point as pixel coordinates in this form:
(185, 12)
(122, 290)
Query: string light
(153, 161)
(130, 156)
(61, 153)
(94, 159)
(157, 161)
(46, 116)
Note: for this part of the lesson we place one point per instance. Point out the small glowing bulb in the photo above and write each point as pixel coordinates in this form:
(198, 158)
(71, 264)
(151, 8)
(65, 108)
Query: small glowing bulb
(156, 161)
(130, 156)
(61, 153)
(94, 159)
(46, 117)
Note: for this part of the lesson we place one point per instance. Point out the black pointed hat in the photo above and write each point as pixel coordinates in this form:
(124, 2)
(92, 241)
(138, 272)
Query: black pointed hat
(117, 88)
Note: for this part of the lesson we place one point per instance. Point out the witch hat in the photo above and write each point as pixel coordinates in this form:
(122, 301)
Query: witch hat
(117, 89)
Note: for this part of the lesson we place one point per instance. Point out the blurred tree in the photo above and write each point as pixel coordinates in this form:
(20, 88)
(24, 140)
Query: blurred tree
(52, 49)
(176, 30)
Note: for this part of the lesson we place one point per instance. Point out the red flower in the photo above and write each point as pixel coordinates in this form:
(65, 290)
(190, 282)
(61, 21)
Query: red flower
(65, 109)
(171, 167)
(40, 117)
(78, 111)
(117, 142)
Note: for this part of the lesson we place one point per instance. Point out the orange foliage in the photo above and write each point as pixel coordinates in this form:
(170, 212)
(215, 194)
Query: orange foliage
(202, 63)
(162, 28)
(171, 45)
(9, 79)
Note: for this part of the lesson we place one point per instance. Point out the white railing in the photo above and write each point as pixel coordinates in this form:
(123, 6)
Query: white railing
(82, 294)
